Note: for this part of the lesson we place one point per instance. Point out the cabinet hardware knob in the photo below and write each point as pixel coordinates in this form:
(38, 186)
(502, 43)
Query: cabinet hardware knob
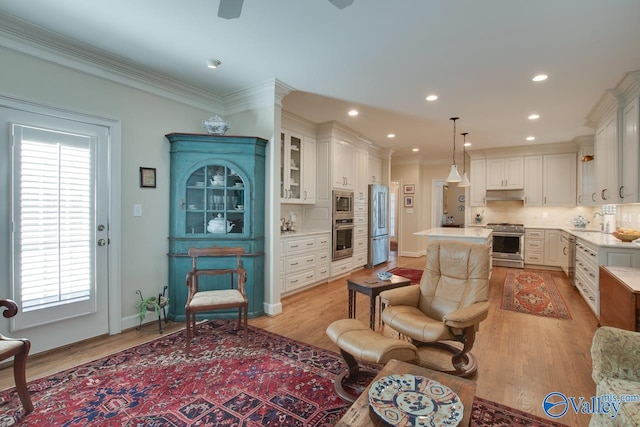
(620, 192)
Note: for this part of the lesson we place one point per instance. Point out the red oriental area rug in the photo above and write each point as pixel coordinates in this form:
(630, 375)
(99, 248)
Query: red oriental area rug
(410, 273)
(274, 382)
(533, 293)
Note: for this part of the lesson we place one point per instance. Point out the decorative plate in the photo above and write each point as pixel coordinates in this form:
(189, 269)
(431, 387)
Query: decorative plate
(410, 400)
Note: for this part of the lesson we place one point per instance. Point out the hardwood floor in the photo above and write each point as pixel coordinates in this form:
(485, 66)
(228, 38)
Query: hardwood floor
(521, 357)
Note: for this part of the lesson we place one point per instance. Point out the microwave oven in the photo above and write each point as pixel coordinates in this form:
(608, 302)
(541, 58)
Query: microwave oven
(342, 204)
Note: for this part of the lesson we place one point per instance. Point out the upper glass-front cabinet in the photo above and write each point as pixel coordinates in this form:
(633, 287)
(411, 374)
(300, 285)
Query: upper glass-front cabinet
(215, 201)
(297, 168)
(291, 157)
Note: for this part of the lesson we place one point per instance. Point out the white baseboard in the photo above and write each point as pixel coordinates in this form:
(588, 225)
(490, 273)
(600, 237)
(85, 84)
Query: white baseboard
(272, 309)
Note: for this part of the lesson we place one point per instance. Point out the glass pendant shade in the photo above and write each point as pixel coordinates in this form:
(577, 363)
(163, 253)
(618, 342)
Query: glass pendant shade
(464, 182)
(454, 176)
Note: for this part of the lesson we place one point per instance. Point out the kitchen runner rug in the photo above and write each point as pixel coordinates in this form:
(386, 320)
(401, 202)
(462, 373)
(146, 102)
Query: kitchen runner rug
(275, 381)
(533, 293)
(410, 273)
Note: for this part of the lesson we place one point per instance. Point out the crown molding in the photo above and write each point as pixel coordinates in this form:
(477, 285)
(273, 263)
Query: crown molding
(264, 94)
(43, 44)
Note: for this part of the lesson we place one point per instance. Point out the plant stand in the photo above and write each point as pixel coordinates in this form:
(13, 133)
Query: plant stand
(162, 303)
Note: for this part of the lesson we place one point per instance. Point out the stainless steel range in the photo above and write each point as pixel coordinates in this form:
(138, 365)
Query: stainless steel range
(508, 244)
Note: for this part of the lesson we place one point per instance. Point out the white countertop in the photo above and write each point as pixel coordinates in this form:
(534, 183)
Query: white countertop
(628, 275)
(593, 236)
(455, 232)
(603, 239)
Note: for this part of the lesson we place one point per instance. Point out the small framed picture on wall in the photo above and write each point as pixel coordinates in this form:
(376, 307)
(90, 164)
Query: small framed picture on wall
(148, 177)
(408, 201)
(409, 189)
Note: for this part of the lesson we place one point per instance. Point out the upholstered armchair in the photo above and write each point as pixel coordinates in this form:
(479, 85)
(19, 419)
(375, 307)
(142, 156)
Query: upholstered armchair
(448, 305)
(615, 354)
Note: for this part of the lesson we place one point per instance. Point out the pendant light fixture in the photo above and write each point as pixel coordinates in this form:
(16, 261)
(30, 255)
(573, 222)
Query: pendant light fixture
(465, 179)
(454, 176)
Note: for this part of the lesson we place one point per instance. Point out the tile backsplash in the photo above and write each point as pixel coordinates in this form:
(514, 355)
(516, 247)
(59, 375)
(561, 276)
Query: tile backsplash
(628, 215)
(515, 212)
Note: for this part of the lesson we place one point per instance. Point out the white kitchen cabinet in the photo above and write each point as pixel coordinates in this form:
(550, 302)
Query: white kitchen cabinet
(478, 189)
(606, 157)
(559, 179)
(616, 118)
(589, 257)
(553, 245)
(505, 173)
(586, 177)
(342, 165)
(533, 181)
(375, 170)
(361, 176)
(309, 175)
(297, 169)
(534, 246)
(629, 191)
(544, 247)
(305, 260)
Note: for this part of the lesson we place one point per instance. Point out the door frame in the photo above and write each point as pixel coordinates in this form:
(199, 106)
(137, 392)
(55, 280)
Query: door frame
(114, 278)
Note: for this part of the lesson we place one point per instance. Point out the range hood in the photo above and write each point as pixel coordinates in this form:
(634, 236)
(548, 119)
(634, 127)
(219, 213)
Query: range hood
(505, 195)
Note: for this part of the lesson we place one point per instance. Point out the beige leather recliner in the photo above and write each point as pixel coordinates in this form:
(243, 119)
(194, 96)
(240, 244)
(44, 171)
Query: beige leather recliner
(448, 305)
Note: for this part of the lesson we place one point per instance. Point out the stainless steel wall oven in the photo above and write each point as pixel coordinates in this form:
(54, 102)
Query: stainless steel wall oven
(342, 238)
(508, 245)
(342, 204)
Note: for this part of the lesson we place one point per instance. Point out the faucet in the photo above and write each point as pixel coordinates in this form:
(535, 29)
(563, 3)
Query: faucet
(601, 223)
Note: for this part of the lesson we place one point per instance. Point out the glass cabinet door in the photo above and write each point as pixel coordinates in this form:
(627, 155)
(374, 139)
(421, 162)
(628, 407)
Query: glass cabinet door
(215, 201)
(290, 167)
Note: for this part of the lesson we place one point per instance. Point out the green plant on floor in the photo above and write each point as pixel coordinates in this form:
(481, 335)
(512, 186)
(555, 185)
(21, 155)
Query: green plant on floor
(150, 304)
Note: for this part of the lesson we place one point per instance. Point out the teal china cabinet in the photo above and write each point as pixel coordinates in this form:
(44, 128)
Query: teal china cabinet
(216, 199)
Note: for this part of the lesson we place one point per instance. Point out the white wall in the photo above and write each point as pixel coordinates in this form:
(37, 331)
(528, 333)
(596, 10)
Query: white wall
(145, 119)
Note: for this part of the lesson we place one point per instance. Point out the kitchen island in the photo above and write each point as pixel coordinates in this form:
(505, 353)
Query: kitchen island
(471, 234)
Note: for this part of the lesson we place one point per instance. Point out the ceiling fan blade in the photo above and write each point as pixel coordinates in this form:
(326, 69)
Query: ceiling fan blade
(341, 4)
(230, 9)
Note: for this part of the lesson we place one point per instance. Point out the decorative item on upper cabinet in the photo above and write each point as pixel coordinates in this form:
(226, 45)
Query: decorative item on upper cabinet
(215, 125)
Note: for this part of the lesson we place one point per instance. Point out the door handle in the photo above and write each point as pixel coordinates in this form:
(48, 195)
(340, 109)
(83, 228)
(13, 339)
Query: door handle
(102, 242)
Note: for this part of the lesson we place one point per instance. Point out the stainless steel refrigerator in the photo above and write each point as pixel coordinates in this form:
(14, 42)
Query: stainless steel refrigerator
(378, 248)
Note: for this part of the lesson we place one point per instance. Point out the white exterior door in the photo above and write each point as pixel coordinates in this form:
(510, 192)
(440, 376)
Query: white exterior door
(59, 231)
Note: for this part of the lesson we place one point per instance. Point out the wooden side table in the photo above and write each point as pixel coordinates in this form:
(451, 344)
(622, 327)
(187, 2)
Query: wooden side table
(371, 286)
(360, 413)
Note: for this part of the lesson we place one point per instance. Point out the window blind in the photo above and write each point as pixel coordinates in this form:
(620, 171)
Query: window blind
(55, 219)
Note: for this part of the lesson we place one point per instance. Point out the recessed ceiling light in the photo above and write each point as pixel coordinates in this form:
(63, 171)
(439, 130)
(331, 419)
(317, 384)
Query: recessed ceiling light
(213, 63)
(534, 116)
(431, 97)
(531, 138)
(353, 112)
(391, 135)
(415, 149)
(540, 78)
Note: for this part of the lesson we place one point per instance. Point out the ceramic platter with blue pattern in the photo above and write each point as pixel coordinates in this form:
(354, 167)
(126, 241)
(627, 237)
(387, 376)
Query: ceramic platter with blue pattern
(410, 400)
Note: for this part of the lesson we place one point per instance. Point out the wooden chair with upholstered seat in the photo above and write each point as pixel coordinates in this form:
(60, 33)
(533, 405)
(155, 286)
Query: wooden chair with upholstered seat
(19, 349)
(231, 296)
(448, 305)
